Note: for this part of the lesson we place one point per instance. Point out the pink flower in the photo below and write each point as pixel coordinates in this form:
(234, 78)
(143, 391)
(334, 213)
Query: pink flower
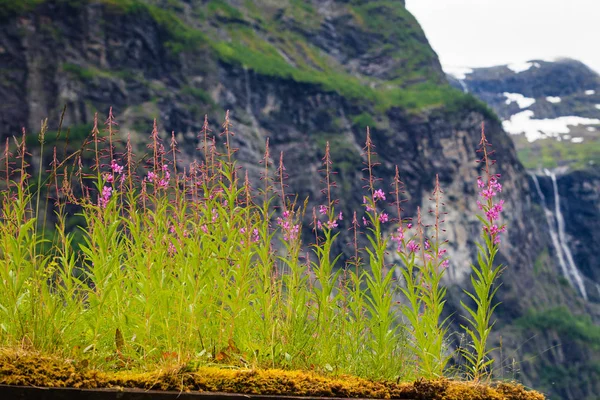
(494, 184)
(383, 218)
(409, 226)
(322, 209)
(340, 216)
(367, 204)
(412, 246)
(487, 193)
(109, 178)
(379, 194)
(255, 235)
(204, 229)
(172, 250)
(365, 222)
(116, 168)
(480, 183)
(332, 224)
(445, 264)
(105, 197)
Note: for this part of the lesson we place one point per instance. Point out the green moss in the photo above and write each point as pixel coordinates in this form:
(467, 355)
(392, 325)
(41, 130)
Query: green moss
(10, 8)
(540, 262)
(362, 121)
(550, 153)
(24, 368)
(198, 94)
(223, 9)
(579, 328)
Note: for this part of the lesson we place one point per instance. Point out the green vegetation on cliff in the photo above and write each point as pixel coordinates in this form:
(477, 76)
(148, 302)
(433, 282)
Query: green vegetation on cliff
(256, 36)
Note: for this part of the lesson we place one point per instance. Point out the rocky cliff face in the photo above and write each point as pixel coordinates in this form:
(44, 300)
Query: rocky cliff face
(300, 74)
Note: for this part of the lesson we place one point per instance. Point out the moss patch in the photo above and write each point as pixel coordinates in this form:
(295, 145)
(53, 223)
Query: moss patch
(19, 367)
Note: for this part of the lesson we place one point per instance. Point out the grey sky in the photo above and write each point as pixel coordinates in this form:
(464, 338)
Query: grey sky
(476, 33)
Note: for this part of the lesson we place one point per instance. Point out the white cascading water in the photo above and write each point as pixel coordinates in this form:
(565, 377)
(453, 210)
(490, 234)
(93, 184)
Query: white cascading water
(562, 237)
(463, 85)
(567, 265)
(249, 103)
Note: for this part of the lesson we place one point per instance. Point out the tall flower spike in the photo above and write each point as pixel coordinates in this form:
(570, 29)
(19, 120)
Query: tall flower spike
(264, 175)
(96, 136)
(398, 189)
(227, 133)
(110, 122)
(329, 182)
(370, 154)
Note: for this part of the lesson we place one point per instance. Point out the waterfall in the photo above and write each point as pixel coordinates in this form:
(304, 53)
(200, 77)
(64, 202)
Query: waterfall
(567, 265)
(463, 85)
(562, 237)
(249, 111)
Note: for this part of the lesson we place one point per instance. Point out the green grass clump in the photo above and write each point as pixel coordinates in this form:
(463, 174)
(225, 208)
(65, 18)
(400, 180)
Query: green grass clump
(193, 265)
(551, 153)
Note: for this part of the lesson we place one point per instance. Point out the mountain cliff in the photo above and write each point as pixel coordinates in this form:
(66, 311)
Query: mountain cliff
(302, 73)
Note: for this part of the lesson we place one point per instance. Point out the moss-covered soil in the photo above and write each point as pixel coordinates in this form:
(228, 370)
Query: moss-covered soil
(26, 368)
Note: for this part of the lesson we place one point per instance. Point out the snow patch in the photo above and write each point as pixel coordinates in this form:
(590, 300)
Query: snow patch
(517, 68)
(459, 73)
(534, 129)
(577, 140)
(590, 92)
(598, 106)
(591, 129)
(553, 99)
(521, 100)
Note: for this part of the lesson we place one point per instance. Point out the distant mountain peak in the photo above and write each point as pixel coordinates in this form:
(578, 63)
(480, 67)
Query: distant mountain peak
(551, 107)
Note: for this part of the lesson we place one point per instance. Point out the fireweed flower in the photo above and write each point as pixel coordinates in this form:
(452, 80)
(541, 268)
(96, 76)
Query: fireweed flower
(104, 198)
(332, 224)
(108, 177)
(412, 246)
(398, 238)
(116, 168)
(367, 204)
(289, 229)
(491, 209)
(378, 194)
(322, 209)
(383, 218)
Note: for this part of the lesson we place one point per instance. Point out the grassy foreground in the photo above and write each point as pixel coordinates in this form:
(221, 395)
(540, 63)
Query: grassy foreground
(187, 277)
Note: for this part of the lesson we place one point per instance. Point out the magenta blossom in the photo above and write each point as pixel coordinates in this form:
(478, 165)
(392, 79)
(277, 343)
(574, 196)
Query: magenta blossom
(383, 218)
(116, 168)
(105, 197)
(379, 194)
(412, 246)
(367, 204)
